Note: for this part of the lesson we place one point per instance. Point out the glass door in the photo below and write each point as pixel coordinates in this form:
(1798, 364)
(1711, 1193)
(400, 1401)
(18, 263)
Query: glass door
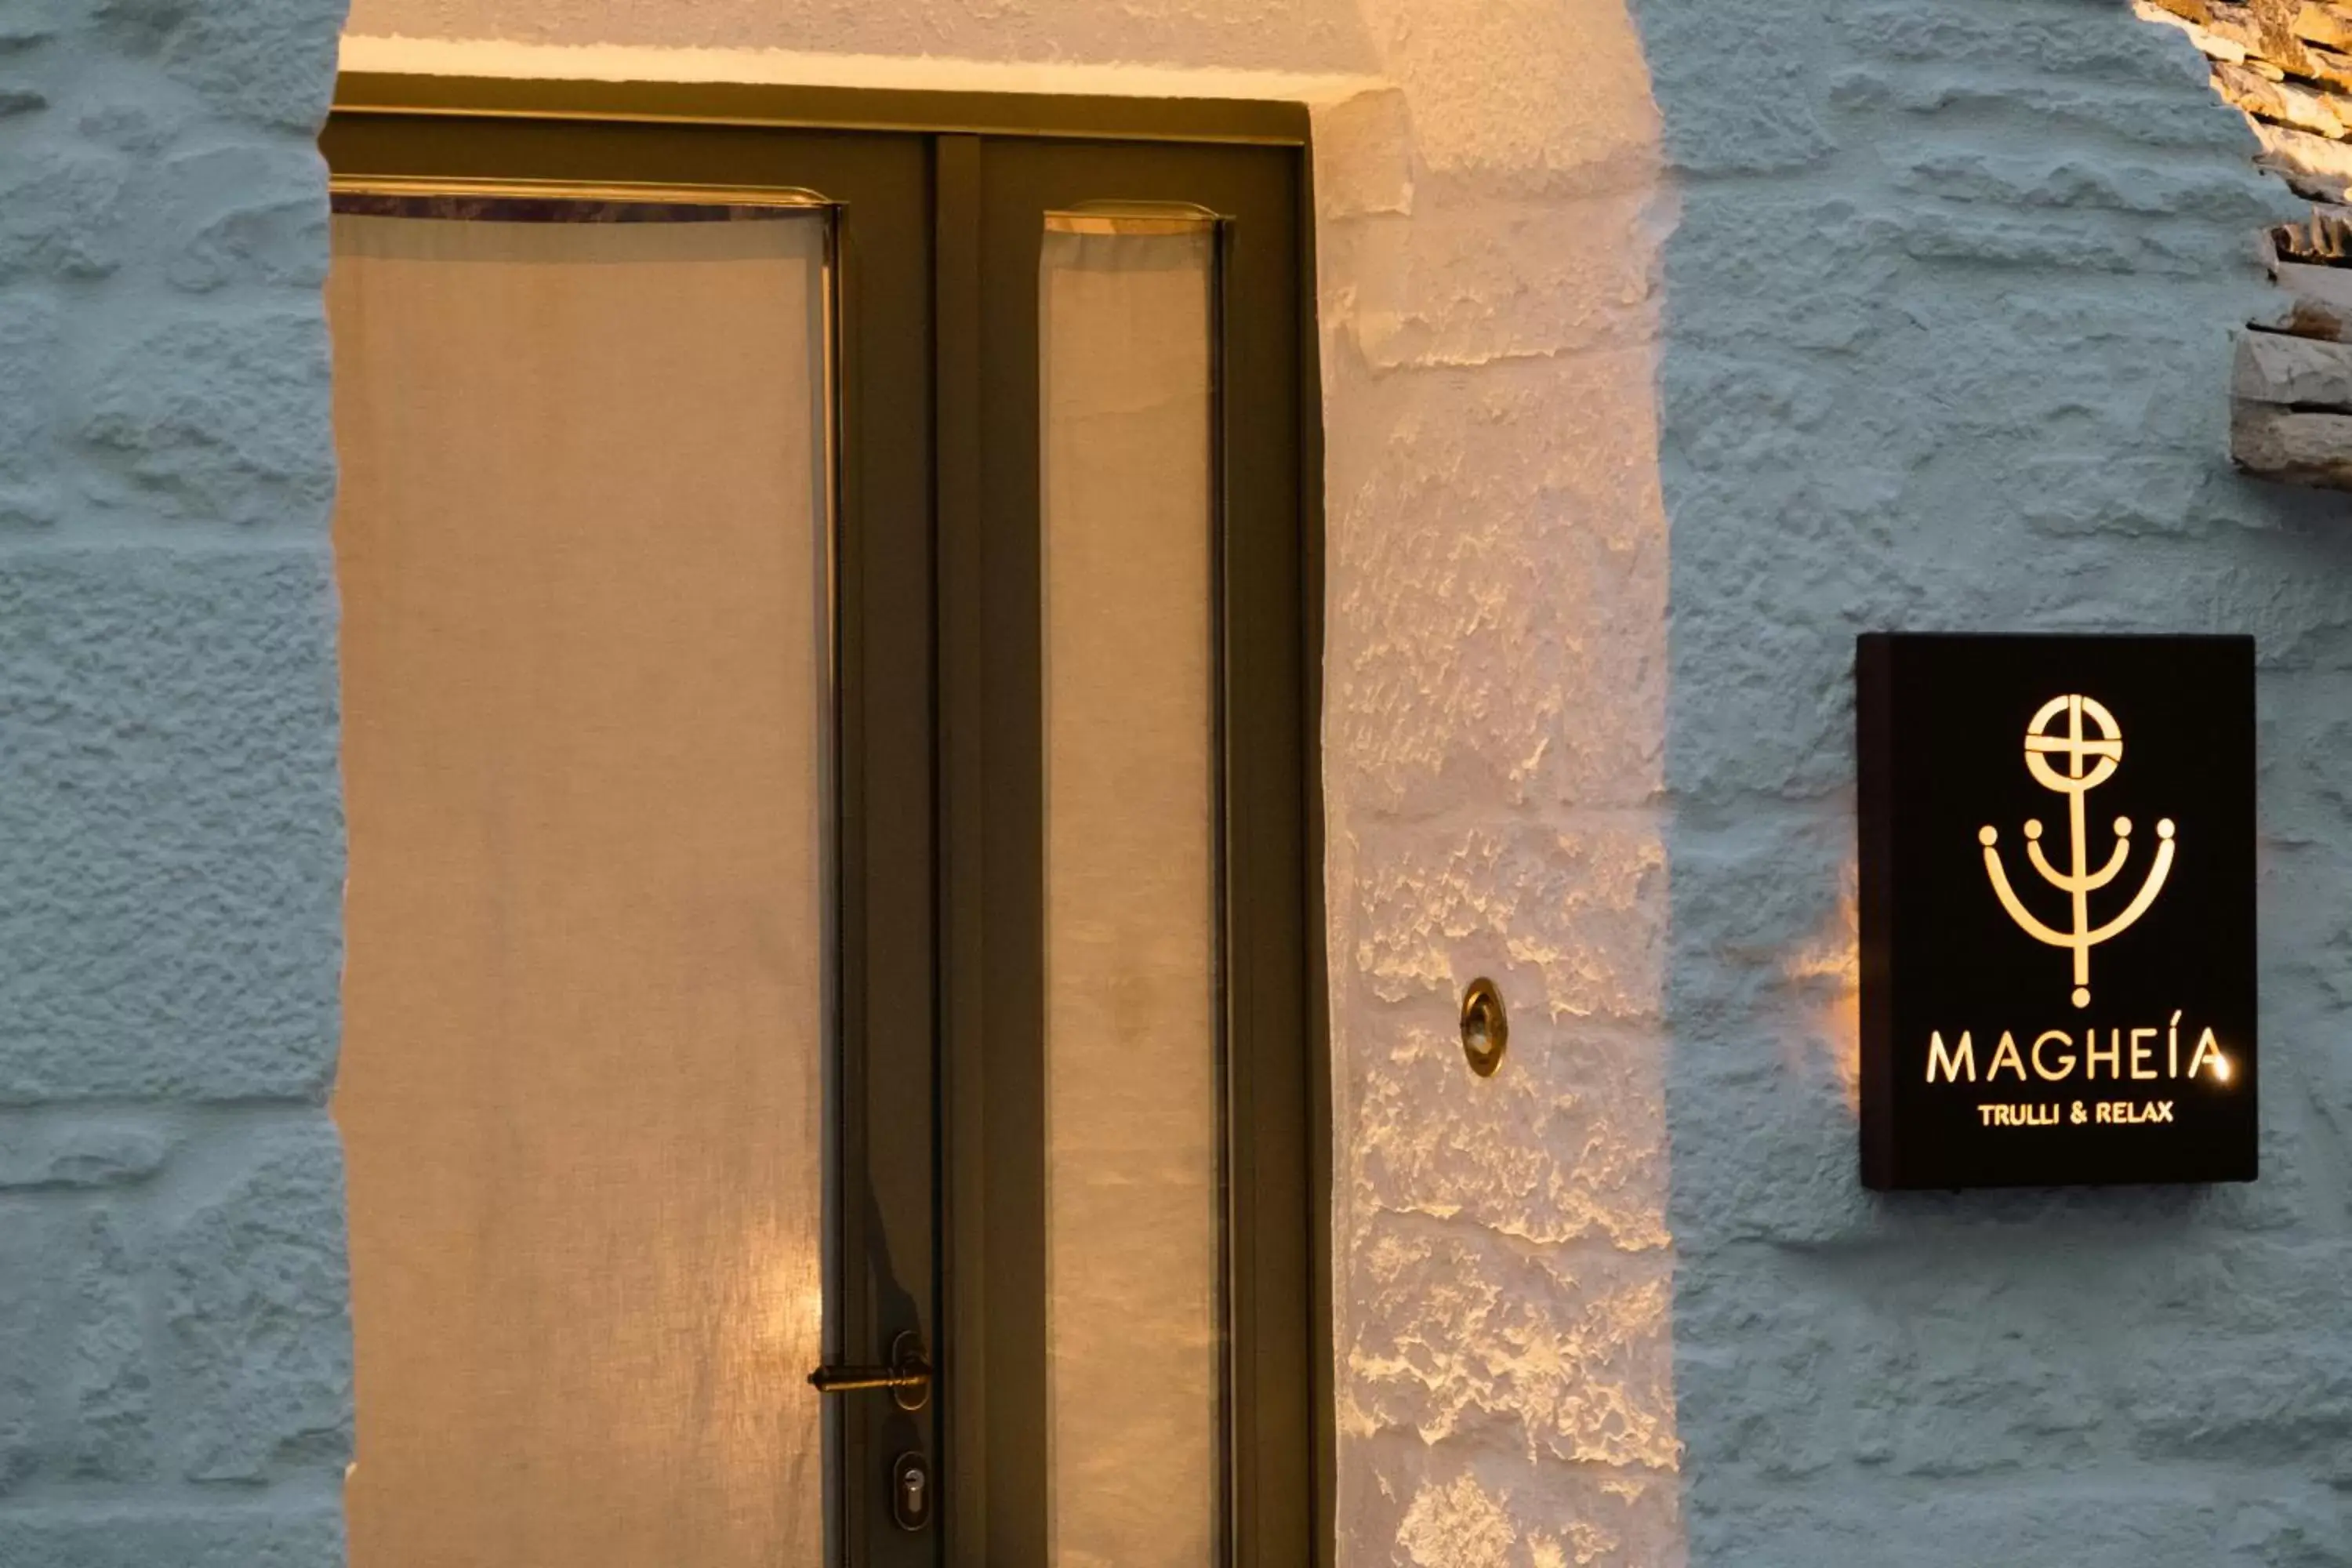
(634, 546)
(1138, 572)
(587, 666)
(831, 1030)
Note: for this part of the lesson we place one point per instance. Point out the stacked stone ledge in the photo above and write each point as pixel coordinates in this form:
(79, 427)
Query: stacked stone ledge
(2286, 65)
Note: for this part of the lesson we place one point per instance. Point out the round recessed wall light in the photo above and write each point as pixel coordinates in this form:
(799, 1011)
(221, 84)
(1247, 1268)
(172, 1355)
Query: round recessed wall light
(1486, 1027)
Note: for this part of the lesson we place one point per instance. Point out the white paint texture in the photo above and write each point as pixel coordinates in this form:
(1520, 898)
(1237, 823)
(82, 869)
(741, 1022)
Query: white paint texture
(1495, 713)
(1231, 35)
(175, 1377)
(1495, 710)
(1942, 341)
(1947, 346)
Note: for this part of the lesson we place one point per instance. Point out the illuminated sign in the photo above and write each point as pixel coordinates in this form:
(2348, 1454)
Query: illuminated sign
(2057, 909)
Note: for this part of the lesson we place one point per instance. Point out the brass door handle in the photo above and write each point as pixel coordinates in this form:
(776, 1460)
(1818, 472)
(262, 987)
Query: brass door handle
(907, 1377)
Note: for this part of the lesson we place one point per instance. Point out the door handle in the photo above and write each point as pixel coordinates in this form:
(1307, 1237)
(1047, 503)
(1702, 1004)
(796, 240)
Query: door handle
(907, 1377)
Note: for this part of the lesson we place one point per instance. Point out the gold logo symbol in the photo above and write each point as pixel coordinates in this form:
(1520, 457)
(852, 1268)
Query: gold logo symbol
(2088, 761)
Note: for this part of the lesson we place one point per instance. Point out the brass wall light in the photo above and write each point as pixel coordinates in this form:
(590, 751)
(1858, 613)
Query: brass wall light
(1486, 1027)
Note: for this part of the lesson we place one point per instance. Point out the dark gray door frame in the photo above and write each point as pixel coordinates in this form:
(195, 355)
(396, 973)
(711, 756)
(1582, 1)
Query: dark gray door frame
(937, 1183)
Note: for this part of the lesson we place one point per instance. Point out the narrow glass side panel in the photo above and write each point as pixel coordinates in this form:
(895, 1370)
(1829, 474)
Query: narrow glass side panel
(582, 546)
(1133, 1186)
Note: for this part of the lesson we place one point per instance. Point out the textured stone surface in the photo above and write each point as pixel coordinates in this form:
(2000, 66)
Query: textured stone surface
(297, 1532)
(171, 1300)
(169, 824)
(216, 414)
(2314, 448)
(32, 342)
(1496, 703)
(1488, 215)
(1977, 379)
(75, 1377)
(40, 1150)
(254, 1287)
(1941, 340)
(1277, 34)
(1490, 210)
(2273, 367)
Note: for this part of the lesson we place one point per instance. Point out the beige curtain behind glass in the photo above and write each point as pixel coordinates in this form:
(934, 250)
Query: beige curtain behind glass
(578, 540)
(1131, 1167)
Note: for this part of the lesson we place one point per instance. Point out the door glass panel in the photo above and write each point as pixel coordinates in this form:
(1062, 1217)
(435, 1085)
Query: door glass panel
(582, 544)
(1133, 1190)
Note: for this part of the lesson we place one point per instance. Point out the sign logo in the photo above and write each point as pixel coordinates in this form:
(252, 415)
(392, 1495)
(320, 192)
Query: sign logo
(2088, 760)
(1982, 1063)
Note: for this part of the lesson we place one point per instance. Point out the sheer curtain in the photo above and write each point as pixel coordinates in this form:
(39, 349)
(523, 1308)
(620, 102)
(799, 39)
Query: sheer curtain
(1133, 1183)
(581, 546)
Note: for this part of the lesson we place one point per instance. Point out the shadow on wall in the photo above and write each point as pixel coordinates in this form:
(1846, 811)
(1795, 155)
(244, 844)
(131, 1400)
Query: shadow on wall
(1495, 704)
(1946, 345)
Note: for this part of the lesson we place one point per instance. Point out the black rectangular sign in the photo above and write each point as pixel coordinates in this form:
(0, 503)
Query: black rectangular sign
(2057, 909)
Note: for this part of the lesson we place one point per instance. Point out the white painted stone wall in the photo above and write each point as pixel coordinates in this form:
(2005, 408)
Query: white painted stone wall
(1941, 342)
(1947, 346)
(174, 1378)
(1496, 698)
(1488, 189)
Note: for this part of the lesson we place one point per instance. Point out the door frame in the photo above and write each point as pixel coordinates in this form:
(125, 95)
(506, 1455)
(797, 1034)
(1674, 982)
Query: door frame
(1286, 1440)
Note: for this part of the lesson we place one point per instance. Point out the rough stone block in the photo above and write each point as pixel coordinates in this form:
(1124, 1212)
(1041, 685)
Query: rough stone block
(2086, 1521)
(2071, 494)
(1489, 1504)
(1760, 1150)
(2285, 1401)
(108, 1376)
(1488, 111)
(62, 212)
(1517, 653)
(1471, 284)
(1758, 1375)
(1577, 909)
(2071, 43)
(2313, 163)
(1760, 115)
(2073, 182)
(1565, 1143)
(2275, 442)
(2293, 592)
(170, 825)
(1747, 268)
(1956, 1382)
(28, 23)
(2014, 370)
(256, 1308)
(2306, 793)
(31, 342)
(2126, 122)
(135, 114)
(1363, 156)
(76, 1391)
(248, 214)
(1456, 1332)
(219, 416)
(59, 1151)
(269, 62)
(305, 1532)
(2087, 243)
(27, 1257)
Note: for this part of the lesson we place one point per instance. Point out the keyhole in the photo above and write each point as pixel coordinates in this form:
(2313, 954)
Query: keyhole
(910, 1492)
